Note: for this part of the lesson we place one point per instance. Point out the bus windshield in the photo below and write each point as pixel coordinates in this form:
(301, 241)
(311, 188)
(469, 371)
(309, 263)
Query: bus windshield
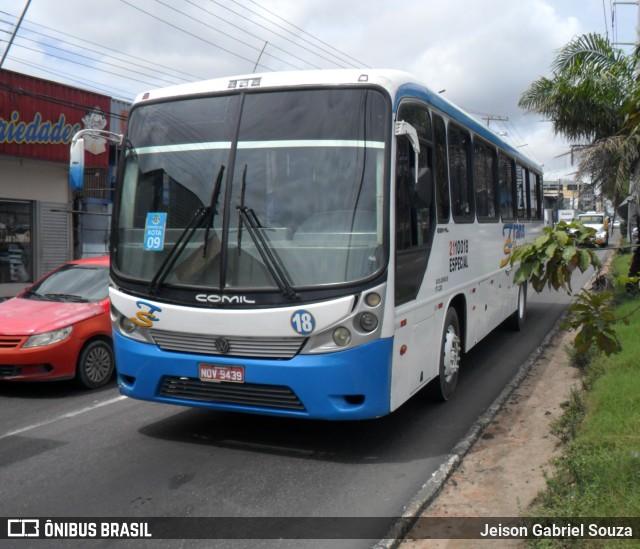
(299, 205)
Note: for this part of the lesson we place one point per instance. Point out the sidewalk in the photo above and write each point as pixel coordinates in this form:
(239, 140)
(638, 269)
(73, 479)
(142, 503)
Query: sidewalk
(503, 471)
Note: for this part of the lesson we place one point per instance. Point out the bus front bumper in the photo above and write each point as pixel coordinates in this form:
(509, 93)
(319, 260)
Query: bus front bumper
(348, 385)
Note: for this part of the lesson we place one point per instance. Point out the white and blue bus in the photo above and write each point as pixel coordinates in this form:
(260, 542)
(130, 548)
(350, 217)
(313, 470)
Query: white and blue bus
(313, 244)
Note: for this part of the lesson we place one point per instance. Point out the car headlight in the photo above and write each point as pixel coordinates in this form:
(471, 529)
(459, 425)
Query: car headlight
(48, 338)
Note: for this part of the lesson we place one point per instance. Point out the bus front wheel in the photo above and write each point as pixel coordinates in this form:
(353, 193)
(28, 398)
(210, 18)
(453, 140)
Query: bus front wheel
(450, 351)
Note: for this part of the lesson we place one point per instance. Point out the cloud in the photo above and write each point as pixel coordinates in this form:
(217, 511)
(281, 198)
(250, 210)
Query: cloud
(485, 54)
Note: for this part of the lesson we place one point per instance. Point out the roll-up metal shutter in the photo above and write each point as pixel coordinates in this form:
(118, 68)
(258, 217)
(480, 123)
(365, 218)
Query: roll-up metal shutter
(54, 232)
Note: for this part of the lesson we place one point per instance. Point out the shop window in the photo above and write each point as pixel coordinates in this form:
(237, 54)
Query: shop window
(16, 244)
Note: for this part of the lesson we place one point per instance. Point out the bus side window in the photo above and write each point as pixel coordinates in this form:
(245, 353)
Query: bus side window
(414, 203)
(521, 193)
(441, 171)
(484, 181)
(459, 164)
(534, 195)
(506, 188)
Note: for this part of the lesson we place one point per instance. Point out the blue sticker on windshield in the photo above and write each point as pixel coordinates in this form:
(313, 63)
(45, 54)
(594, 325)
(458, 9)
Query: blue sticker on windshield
(303, 322)
(154, 231)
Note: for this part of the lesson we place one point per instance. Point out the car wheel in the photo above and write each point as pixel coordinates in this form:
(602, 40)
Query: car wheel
(95, 365)
(444, 385)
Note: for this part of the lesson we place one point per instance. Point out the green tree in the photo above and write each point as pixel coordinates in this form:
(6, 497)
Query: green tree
(592, 99)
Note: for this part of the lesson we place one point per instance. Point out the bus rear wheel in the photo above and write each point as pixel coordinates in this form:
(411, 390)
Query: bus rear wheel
(516, 320)
(444, 386)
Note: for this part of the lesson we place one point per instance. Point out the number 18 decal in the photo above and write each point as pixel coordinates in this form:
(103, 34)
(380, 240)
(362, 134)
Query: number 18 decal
(303, 322)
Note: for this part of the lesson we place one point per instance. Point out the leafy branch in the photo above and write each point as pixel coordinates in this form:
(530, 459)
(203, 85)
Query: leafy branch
(551, 261)
(553, 257)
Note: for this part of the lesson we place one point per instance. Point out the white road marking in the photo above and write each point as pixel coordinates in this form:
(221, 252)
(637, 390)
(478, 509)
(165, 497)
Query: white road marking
(63, 416)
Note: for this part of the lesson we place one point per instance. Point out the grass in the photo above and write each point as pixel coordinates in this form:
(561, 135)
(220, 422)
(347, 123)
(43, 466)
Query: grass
(598, 474)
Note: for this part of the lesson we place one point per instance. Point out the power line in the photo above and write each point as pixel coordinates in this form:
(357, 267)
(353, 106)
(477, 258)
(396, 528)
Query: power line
(192, 35)
(84, 48)
(195, 77)
(359, 63)
(272, 32)
(55, 100)
(245, 31)
(88, 66)
(125, 63)
(15, 32)
(96, 86)
(88, 58)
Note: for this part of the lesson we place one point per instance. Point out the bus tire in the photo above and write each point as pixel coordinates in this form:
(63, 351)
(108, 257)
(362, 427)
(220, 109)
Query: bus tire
(444, 386)
(516, 320)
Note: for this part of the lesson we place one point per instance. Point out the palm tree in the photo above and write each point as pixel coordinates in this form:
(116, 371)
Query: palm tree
(593, 99)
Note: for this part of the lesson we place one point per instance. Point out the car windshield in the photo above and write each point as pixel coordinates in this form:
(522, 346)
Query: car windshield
(300, 204)
(591, 219)
(73, 283)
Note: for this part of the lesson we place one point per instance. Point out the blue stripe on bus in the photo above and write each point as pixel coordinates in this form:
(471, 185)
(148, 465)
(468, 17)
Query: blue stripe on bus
(419, 92)
(321, 382)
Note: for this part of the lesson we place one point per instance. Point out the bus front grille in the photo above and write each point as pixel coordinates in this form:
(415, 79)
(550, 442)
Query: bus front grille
(248, 347)
(243, 394)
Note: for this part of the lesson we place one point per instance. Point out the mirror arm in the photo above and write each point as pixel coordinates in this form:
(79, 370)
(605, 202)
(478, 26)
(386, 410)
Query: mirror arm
(404, 128)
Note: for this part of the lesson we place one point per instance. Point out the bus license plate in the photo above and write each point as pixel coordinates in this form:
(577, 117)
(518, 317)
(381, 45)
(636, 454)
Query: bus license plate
(217, 373)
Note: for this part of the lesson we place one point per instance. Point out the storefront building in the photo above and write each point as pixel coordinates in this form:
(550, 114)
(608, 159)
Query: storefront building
(41, 219)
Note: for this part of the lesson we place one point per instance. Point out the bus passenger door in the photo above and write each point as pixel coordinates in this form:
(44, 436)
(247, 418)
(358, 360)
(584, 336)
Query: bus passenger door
(414, 227)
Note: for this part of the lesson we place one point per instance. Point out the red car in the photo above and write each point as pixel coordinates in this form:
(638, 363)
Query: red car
(60, 327)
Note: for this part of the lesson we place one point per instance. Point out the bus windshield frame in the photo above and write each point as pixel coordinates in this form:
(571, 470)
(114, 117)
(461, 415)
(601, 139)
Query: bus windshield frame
(301, 206)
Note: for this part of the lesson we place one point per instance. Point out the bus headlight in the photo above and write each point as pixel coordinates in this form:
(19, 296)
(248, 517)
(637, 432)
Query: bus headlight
(127, 325)
(341, 336)
(368, 322)
(373, 299)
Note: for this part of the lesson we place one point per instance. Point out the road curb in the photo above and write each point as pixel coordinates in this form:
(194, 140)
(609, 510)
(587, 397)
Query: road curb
(432, 488)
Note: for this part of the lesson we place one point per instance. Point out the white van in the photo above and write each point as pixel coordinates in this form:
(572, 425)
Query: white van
(600, 223)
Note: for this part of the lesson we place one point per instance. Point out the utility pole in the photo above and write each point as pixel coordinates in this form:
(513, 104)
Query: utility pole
(15, 31)
(634, 195)
(491, 117)
(260, 56)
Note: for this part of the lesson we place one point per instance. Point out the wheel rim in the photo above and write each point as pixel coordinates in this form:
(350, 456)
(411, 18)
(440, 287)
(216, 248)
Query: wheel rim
(451, 354)
(98, 364)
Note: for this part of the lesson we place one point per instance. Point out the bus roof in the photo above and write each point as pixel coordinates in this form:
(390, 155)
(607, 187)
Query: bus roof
(398, 84)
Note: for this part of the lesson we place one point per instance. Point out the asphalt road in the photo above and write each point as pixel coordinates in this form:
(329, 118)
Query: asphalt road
(69, 453)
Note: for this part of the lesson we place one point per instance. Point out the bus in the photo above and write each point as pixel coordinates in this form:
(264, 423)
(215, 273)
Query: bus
(311, 244)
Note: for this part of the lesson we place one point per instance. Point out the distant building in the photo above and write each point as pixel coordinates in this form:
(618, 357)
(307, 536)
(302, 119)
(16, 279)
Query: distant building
(43, 223)
(566, 194)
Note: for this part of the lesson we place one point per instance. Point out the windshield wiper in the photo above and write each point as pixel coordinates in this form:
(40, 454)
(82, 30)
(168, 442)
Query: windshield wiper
(204, 213)
(67, 297)
(33, 294)
(271, 261)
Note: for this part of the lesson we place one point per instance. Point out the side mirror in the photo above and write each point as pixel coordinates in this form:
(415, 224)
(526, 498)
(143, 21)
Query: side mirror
(76, 165)
(404, 128)
(76, 156)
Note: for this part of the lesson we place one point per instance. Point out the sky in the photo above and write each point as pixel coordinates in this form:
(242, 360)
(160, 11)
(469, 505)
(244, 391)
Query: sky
(483, 54)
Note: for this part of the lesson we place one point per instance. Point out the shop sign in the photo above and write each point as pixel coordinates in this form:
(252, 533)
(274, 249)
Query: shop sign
(38, 119)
